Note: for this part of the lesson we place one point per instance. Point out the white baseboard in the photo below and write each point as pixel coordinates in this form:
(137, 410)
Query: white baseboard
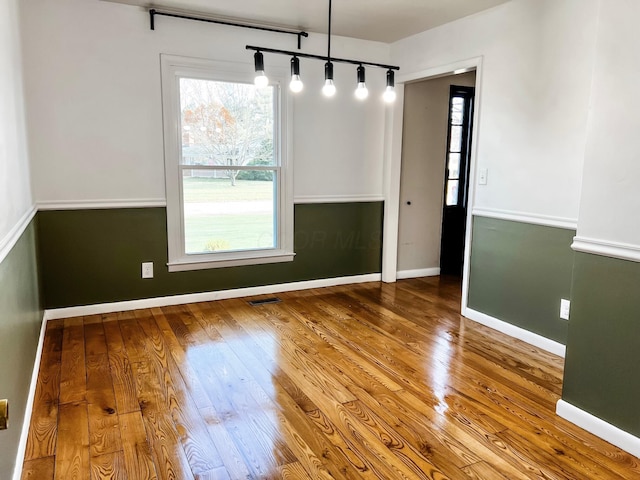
(612, 434)
(22, 446)
(420, 272)
(517, 332)
(205, 296)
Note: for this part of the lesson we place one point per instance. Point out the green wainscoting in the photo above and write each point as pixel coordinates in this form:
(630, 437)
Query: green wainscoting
(602, 368)
(519, 272)
(95, 256)
(20, 321)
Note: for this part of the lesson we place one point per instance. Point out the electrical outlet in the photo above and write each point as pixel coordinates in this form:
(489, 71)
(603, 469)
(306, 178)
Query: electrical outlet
(147, 269)
(482, 176)
(565, 305)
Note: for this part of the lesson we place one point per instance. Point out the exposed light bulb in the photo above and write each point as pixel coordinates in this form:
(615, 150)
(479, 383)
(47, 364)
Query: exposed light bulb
(329, 89)
(361, 91)
(296, 84)
(261, 79)
(389, 95)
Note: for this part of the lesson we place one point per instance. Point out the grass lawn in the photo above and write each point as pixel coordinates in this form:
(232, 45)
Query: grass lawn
(228, 231)
(220, 190)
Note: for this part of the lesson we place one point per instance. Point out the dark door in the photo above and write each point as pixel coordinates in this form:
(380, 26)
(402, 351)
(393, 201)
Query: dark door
(456, 185)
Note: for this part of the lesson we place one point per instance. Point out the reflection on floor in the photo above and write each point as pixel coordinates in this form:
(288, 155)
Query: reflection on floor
(375, 380)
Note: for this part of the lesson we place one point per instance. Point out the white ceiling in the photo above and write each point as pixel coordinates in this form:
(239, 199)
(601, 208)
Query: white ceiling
(380, 20)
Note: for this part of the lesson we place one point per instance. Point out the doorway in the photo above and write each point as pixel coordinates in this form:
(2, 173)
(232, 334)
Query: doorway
(456, 180)
(426, 179)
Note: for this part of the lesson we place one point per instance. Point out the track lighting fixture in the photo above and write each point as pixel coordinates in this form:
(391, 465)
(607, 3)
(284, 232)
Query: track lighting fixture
(296, 84)
(261, 79)
(389, 94)
(329, 89)
(361, 89)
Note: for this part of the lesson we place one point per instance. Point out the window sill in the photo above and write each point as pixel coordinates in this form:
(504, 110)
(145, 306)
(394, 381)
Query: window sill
(259, 258)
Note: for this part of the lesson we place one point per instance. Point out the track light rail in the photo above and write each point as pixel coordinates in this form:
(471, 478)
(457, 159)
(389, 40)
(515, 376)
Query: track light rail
(320, 57)
(153, 12)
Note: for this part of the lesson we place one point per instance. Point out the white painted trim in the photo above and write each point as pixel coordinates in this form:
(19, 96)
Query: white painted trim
(439, 71)
(623, 251)
(516, 332)
(22, 445)
(394, 117)
(533, 218)
(420, 272)
(338, 198)
(172, 69)
(206, 296)
(11, 238)
(393, 162)
(610, 433)
(250, 258)
(473, 167)
(102, 204)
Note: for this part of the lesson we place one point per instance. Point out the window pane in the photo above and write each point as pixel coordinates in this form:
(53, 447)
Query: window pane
(457, 110)
(456, 139)
(452, 192)
(236, 212)
(454, 165)
(226, 123)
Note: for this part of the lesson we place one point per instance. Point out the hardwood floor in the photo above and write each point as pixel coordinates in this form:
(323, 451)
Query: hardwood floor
(373, 381)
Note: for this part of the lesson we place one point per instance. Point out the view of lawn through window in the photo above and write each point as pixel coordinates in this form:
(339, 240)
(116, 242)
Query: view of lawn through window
(229, 167)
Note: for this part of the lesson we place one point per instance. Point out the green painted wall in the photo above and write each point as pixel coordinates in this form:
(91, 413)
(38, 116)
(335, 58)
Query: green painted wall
(602, 368)
(94, 256)
(519, 272)
(20, 321)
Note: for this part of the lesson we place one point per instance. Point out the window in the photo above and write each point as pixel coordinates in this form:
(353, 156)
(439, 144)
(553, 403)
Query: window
(228, 185)
(459, 139)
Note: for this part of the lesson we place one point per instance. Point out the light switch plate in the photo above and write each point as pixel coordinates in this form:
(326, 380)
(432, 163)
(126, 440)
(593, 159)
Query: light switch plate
(482, 176)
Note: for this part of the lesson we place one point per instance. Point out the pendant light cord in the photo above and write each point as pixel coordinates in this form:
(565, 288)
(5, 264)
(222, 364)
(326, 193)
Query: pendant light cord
(329, 38)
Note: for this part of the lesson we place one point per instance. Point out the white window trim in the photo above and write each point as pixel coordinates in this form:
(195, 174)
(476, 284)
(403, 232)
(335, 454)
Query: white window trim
(173, 68)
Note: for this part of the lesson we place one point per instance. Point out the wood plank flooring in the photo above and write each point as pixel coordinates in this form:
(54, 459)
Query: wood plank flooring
(369, 381)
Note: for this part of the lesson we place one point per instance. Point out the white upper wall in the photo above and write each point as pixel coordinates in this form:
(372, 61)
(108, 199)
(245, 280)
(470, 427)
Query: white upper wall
(610, 204)
(15, 190)
(92, 77)
(538, 58)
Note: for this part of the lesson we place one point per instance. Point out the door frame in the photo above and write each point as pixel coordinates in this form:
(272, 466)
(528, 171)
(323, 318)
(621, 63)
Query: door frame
(393, 167)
